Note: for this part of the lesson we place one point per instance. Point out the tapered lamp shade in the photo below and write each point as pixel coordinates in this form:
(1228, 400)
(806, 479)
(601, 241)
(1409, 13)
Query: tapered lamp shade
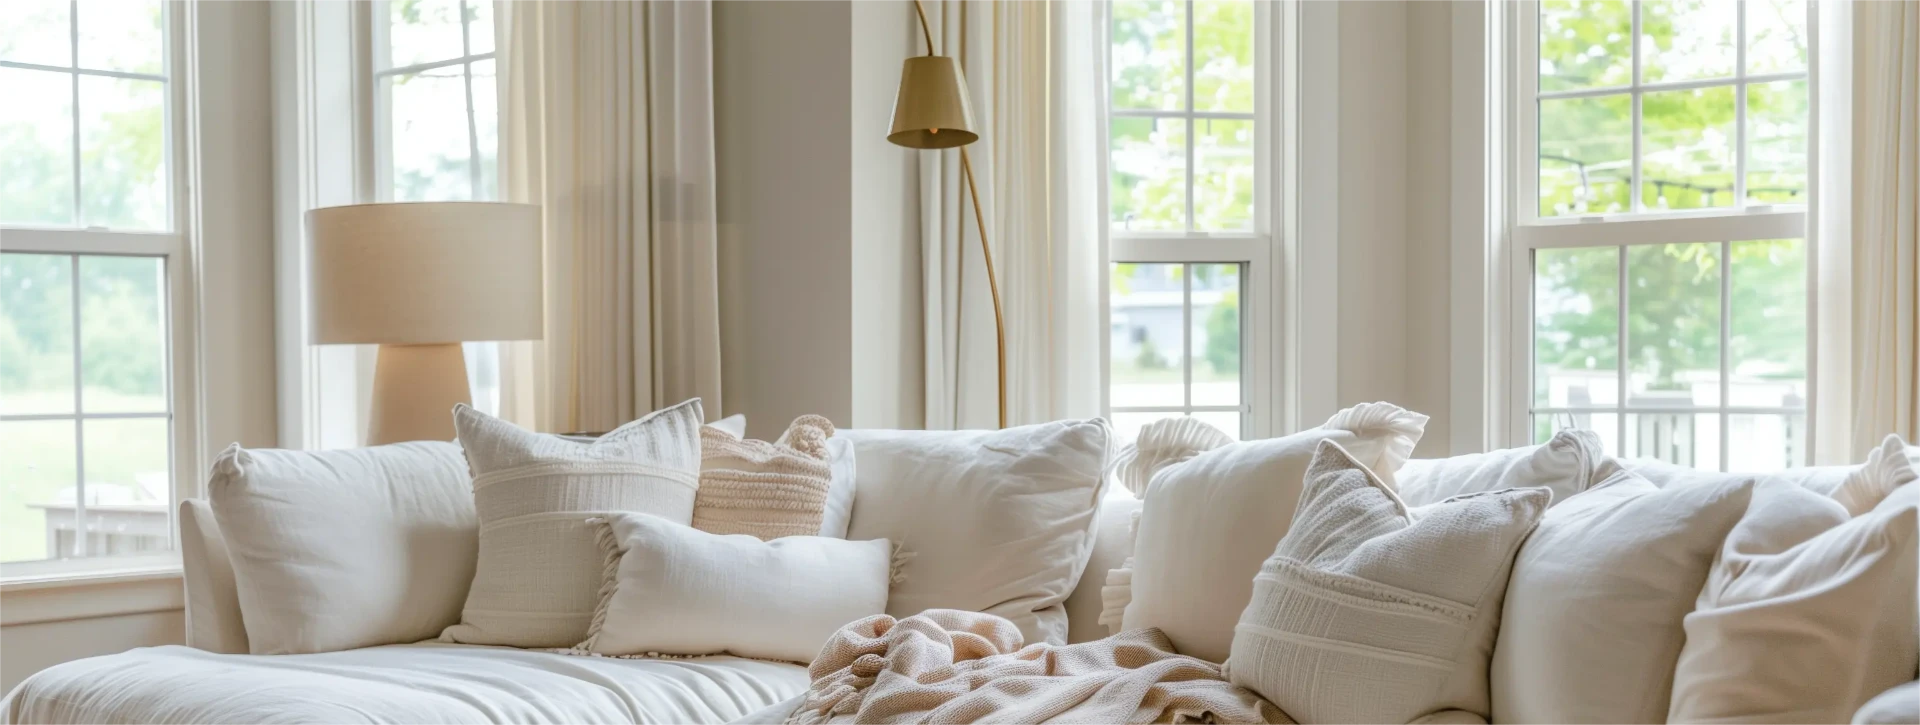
(931, 110)
(422, 273)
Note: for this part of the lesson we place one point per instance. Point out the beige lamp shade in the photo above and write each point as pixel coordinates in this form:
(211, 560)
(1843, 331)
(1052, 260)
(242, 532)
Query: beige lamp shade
(424, 273)
(931, 110)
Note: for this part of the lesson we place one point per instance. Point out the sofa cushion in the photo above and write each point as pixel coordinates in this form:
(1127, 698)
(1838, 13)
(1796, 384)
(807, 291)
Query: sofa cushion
(539, 571)
(1209, 521)
(340, 549)
(1592, 623)
(1797, 576)
(1372, 612)
(993, 521)
(677, 590)
(1112, 545)
(419, 683)
(1565, 464)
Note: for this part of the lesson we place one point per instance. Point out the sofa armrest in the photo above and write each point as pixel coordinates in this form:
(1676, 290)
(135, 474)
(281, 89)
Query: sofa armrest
(213, 600)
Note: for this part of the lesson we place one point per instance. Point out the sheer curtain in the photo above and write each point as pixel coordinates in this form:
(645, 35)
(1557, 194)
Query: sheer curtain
(607, 123)
(1886, 223)
(1037, 75)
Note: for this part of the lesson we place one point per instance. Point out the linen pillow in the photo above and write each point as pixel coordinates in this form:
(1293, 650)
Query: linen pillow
(1369, 612)
(1858, 487)
(1806, 616)
(762, 489)
(1592, 623)
(1900, 705)
(539, 573)
(1210, 521)
(999, 522)
(675, 590)
(1564, 464)
(336, 550)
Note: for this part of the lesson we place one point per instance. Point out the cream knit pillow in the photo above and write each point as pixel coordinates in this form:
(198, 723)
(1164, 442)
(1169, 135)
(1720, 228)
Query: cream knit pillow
(765, 490)
(539, 572)
(1371, 612)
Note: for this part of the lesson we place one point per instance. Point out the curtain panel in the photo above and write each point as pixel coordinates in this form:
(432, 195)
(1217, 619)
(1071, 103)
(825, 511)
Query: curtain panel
(607, 123)
(1037, 77)
(1886, 224)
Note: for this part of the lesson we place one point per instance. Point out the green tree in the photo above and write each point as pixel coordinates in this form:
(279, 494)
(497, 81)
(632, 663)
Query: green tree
(1223, 336)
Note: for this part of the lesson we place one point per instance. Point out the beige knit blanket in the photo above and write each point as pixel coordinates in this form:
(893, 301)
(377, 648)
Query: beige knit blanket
(947, 666)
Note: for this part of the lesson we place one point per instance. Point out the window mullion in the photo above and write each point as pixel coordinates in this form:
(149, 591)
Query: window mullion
(1624, 344)
(1634, 200)
(79, 426)
(473, 131)
(1739, 117)
(1193, 125)
(73, 52)
(1726, 352)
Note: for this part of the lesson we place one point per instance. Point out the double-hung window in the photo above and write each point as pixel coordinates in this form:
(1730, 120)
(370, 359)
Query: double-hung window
(436, 121)
(1187, 216)
(1662, 153)
(93, 286)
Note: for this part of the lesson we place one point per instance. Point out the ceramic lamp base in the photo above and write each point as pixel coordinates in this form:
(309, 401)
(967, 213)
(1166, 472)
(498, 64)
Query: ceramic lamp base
(414, 390)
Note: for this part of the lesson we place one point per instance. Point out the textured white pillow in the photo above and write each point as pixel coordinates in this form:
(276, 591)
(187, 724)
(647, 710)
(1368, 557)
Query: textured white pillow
(1209, 522)
(840, 466)
(1858, 487)
(335, 550)
(539, 573)
(1564, 464)
(995, 521)
(1806, 616)
(1369, 612)
(1592, 624)
(675, 590)
(1898, 706)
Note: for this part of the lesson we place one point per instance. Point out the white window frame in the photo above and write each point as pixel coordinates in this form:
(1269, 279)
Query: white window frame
(177, 247)
(1515, 97)
(1261, 403)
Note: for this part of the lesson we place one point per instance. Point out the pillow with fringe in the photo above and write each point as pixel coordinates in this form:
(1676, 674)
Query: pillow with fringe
(1210, 518)
(672, 590)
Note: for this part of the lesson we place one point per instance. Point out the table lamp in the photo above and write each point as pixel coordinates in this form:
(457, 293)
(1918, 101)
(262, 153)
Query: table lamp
(418, 279)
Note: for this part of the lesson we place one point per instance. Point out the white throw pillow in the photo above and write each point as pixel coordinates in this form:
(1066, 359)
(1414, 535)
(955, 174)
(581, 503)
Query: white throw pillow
(336, 550)
(676, 590)
(1564, 464)
(1592, 624)
(539, 573)
(995, 521)
(1209, 521)
(1370, 612)
(1806, 616)
(1898, 706)
(1858, 487)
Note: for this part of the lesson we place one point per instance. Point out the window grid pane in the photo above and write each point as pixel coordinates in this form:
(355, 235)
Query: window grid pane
(1175, 344)
(1689, 142)
(86, 456)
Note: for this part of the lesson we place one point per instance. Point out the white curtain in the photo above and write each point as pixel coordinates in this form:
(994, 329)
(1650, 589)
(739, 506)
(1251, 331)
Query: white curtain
(1886, 223)
(1037, 77)
(608, 125)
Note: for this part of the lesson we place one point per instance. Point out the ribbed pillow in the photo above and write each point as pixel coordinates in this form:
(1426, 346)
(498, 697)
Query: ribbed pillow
(765, 490)
(1371, 612)
(539, 573)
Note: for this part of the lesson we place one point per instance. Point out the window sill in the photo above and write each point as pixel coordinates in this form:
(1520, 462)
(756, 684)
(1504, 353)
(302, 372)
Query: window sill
(90, 595)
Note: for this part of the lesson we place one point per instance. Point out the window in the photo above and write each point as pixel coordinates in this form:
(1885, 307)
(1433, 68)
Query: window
(1185, 211)
(436, 122)
(1664, 151)
(91, 278)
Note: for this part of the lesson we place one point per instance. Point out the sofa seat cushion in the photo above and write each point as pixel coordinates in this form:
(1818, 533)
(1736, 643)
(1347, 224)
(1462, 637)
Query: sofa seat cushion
(428, 682)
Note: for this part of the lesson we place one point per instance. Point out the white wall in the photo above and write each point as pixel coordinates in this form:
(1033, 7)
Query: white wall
(236, 336)
(819, 244)
(1429, 95)
(1372, 198)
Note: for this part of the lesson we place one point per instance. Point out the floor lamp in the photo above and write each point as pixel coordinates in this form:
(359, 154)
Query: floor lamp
(931, 111)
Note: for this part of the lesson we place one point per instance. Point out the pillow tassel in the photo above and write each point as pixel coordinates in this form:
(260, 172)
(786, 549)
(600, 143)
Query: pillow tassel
(609, 579)
(1887, 467)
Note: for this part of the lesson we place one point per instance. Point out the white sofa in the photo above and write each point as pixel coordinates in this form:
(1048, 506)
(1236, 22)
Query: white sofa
(212, 679)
